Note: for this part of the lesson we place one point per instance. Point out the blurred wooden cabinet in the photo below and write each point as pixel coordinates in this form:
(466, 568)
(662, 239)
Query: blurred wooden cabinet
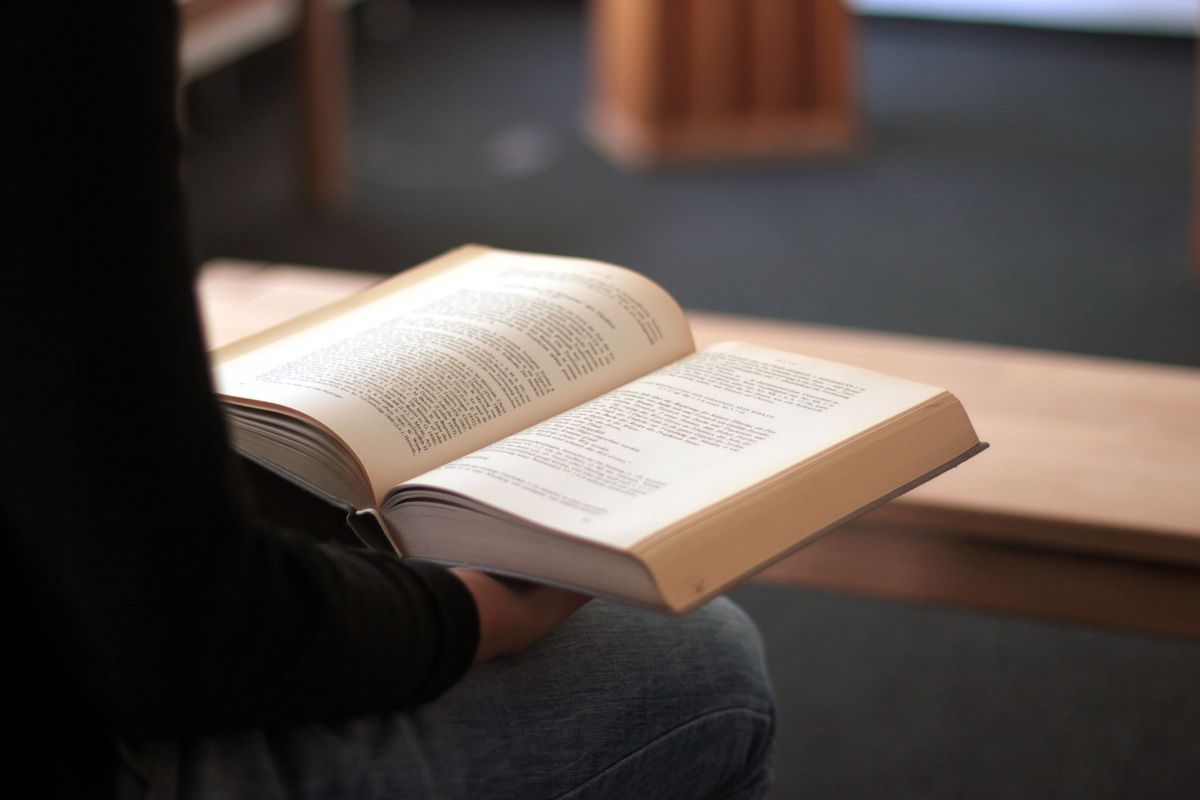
(718, 79)
(217, 32)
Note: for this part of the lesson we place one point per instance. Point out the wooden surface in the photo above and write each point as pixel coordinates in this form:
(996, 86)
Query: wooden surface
(1086, 508)
(676, 80)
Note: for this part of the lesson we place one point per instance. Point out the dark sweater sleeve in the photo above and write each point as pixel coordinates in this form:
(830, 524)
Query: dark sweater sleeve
(173, 607)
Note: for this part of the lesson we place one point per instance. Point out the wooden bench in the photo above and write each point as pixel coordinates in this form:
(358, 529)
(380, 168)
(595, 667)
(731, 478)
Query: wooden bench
(1085, 509)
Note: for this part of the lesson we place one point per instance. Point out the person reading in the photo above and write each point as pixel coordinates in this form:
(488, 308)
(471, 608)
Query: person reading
(172, 639)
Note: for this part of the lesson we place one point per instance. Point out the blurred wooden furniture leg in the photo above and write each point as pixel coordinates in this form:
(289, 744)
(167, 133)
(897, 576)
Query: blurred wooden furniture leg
(324, 81)
(718, 79)
(218, 32)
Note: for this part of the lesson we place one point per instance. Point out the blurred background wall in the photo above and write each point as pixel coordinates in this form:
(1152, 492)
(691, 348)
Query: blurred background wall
(1163, 17)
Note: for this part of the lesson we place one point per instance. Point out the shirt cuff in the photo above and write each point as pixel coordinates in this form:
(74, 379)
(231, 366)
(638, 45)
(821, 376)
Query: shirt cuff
(459, 625)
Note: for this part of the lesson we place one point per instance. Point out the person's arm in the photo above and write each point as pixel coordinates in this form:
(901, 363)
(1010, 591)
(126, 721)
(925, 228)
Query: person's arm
(514, 614)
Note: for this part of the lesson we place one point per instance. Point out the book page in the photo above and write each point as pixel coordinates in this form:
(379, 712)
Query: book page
(422, 376)
(667, 445)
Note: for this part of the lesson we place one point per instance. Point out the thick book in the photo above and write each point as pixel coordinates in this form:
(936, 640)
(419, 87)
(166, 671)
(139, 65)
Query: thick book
(550, 418)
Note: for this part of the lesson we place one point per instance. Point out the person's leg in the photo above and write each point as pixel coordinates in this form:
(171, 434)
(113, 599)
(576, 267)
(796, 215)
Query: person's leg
(616, 702)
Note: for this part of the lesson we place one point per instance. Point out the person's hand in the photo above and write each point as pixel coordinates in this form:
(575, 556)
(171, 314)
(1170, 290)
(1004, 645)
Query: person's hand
(514, 614)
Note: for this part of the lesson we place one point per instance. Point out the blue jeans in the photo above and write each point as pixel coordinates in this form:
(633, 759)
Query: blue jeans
(616, 703)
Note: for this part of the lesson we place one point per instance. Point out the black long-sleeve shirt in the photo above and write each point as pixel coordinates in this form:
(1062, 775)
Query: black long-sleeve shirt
(143, 596)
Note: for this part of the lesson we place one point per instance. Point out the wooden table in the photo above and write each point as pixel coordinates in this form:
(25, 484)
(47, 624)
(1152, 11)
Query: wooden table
(1086, 508)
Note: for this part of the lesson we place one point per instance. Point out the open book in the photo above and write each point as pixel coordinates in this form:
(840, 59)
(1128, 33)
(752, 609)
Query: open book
(549, 418)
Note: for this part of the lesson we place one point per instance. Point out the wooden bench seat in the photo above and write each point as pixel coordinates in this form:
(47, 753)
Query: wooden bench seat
(1086, 508)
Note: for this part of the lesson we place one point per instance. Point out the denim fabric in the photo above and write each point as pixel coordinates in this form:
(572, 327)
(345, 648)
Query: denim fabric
(614, 703)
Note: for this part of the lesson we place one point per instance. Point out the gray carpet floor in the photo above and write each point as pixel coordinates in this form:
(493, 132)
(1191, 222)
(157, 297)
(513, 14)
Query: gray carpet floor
(1016, 186)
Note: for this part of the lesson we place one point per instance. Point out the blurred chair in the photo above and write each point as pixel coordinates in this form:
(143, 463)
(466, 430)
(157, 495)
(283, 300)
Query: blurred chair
(219, 32)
